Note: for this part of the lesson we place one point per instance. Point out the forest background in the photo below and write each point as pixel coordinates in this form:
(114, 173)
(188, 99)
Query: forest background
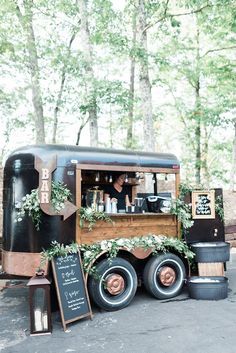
(151, 75)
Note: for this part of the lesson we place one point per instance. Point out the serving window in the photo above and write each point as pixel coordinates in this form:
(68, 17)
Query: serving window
(155, 189)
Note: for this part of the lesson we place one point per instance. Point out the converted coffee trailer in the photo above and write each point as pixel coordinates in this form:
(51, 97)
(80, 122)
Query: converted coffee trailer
(152, 178)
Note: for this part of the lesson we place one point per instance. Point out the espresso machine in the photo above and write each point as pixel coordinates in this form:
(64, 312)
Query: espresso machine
(138, 202)
(94, 199)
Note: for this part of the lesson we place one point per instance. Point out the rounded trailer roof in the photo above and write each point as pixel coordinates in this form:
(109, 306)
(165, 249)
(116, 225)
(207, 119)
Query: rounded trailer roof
(67, 154)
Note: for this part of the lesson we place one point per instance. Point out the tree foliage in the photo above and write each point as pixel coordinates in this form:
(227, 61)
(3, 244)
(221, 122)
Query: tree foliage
(153, 75)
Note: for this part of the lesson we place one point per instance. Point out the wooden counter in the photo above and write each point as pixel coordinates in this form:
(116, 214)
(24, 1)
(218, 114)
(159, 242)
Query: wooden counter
(127, 225)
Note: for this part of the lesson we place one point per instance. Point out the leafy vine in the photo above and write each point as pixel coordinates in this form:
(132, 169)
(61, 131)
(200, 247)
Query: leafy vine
(30, 203)
(183, 211)
(88, 214)
(89, 252)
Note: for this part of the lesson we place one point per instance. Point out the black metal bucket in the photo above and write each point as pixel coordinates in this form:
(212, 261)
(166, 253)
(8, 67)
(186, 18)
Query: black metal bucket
(208, 288)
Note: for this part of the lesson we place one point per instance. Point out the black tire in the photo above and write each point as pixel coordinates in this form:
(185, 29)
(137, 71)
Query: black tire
(99, 291)
(152, 276)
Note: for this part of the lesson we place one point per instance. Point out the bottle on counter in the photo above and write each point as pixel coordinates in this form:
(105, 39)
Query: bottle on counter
(101, 206)
(108, 205)
(114, 207)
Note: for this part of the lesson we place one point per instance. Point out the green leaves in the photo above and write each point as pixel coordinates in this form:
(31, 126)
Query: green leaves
(90, 252)
(87, 214)
(183, 213)
(31, 204)
(190, 51)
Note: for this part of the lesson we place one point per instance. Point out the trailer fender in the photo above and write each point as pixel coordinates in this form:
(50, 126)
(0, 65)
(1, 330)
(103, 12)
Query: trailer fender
(138, 253)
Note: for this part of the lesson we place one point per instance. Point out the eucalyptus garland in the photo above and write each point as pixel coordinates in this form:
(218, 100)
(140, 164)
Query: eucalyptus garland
(219, 207)
(183, 211)
(89, 252)
(58, 249)
(91, 216)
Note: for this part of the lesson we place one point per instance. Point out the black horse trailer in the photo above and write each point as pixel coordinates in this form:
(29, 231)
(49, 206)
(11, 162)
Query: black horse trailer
(84, 170)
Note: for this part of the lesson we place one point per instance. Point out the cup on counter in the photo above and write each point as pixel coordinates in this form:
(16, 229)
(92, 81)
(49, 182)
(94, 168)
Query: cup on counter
(128, 209)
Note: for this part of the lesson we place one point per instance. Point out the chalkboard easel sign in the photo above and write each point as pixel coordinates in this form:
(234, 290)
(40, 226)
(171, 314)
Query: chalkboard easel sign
(203, 204)
(71, 289)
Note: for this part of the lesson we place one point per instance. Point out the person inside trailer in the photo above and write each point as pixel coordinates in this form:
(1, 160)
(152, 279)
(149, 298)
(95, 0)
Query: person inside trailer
(118, 192)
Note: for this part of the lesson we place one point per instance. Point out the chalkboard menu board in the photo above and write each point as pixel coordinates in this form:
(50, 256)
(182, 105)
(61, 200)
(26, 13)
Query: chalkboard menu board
(203, 204)
(71, 290)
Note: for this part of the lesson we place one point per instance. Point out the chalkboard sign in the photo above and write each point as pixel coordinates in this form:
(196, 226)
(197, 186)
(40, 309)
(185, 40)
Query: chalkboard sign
(70, 286)
(203, 204)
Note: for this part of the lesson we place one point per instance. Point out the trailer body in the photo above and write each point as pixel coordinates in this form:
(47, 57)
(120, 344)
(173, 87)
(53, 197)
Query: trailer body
(77, 167)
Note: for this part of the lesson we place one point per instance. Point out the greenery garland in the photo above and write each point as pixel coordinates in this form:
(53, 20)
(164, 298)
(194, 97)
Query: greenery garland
(30, 203)
(183, 211)
(89, 252)
(219, 207)
(92, 216)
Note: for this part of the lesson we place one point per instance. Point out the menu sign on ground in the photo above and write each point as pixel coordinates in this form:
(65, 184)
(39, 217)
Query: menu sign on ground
(71, 289)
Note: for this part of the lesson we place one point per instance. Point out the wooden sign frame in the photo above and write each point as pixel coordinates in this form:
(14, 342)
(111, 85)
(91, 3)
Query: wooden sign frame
(203, 204)
(72, 267)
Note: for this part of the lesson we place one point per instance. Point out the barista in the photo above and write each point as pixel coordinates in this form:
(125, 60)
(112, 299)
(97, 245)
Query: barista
(118, 192)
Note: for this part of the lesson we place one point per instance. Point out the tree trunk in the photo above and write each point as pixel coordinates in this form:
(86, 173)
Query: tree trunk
(27, 25)
(198, 149)
(79, 133)
(232, 175)
(205, 167)
(111, 128)
(144, 82)
(59, 96)
(129, 140)
(89, 76)
(197, 117)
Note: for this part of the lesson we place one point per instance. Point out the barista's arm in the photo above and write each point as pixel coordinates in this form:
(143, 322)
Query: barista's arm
(108, 195)
(127, 201)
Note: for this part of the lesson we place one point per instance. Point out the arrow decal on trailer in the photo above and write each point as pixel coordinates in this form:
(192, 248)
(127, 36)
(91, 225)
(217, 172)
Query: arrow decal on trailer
(45, 170)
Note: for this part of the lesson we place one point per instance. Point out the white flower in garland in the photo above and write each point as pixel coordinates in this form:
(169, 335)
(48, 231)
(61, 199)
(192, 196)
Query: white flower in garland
(103, 245)
(88, 254)
(120, 242)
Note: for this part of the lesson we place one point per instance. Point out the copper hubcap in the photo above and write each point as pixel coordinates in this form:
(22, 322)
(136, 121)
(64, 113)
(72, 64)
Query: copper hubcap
(167, 276)
(115, 284)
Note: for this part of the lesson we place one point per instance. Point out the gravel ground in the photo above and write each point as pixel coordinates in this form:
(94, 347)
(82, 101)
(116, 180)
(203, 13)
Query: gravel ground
(148, 325)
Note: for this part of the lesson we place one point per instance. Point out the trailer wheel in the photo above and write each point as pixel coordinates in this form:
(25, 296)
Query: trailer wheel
(114, 285)
(164, 276)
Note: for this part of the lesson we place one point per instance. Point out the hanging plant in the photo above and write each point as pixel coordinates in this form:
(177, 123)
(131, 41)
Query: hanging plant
(30, 204)
(182, 210)
(219, 207)
(88, 214)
